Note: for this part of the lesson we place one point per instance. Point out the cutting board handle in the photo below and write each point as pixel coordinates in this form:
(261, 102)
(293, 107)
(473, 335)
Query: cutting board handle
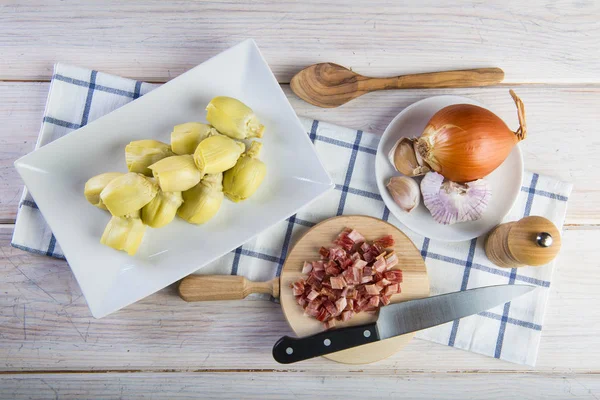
(223, 287)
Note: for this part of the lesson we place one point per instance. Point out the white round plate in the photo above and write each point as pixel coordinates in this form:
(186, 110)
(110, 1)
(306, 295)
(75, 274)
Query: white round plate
(505, 181)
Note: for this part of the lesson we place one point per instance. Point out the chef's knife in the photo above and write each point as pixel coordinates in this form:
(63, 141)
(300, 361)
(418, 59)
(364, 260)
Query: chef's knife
(398, 319)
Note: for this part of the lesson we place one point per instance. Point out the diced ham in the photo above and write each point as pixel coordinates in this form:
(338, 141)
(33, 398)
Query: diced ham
(341, 304)
(338, 282)
(391, 289)
(330, 323)
(393, 276)
(301, 301)
(324, 252)
(379, 265)
(391, 260)
(319, 275)
(372, 289)
(312, 295)
(312, 280)
(351, 276)
(298, 288)
(384, 242)
(332, 269)
(355, 236)
(346, 315)
(330, 307)
(323, 314)
(307, 267)
(350, 304)
(318, 265)
(374, 301)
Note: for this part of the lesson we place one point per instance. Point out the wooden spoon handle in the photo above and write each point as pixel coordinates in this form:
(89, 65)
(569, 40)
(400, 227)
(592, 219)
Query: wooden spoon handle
(446, 79)
(223, 287)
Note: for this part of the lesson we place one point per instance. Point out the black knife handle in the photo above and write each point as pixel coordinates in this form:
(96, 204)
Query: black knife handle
(289, 350)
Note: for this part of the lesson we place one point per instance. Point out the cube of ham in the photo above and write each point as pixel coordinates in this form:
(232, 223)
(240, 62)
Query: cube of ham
(355, 236)
(312, 295)
(307, 267)
(372, 289)
(379, 265)
(346, 315)
(341, 304)
(385, 300)
(391, 260)
(338, 282)
(374, 301)
(393, 276)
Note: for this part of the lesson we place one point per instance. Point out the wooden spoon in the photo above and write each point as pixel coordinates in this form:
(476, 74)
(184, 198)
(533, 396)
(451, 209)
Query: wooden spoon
(330, 85)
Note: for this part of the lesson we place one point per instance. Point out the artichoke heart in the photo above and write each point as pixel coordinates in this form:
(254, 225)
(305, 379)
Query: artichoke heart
(162, 209)
(233, 118)
(241, 181)
(128, 194)
(96, 184)
(140, 154)
(176, 173)
(186, 137)
(217, 154)
(124, 233)
(202, 202)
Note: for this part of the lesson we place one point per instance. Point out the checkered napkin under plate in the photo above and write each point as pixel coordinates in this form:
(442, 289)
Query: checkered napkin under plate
(510, 332)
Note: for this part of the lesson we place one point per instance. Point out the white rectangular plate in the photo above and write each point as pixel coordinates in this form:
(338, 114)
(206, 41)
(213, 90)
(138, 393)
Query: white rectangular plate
(56, 173)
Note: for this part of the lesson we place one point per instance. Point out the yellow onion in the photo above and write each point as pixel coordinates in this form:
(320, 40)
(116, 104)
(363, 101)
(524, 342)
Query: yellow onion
(464, 142)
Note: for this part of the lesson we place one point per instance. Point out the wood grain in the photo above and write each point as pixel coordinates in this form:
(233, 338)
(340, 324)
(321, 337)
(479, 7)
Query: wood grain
(45, 325)
(415, 283)
(331, 85)
(300, 385)
(554, 42)
(223, 287)
(561, 143)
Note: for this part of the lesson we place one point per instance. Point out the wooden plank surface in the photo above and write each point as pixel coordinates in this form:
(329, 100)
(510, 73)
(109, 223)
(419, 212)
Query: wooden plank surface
(562, 125)
(46, 326)
(299, 385)
(544, 42)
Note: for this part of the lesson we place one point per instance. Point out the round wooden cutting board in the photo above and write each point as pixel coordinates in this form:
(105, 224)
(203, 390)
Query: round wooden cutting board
(414, 286)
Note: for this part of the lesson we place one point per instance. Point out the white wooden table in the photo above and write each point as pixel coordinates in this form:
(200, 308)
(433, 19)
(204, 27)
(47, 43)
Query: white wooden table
(50, 346)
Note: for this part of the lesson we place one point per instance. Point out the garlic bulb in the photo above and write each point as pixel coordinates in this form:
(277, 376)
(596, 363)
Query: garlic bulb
(451, 202)
(406, 160)
(405, 192)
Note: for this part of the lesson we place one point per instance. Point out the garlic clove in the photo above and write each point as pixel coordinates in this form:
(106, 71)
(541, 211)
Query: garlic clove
(405, 159)
(405, 192)
(451, 202)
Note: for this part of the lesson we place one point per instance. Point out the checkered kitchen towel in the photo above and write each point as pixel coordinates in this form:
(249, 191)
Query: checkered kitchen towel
(510, 332)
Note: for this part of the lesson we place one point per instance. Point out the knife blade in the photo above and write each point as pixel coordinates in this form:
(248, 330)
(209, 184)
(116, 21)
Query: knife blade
(398, 319)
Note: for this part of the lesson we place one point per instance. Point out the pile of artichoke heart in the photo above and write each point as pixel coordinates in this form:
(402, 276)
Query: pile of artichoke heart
(188, 178)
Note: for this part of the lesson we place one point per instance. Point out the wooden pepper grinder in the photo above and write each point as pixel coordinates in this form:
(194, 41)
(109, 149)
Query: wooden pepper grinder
(529, 241)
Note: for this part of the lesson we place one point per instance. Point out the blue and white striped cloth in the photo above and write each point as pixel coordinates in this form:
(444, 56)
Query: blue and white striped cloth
(510, 332)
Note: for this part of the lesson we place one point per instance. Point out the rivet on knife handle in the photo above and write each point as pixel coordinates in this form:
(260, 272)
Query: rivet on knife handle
(289, 350)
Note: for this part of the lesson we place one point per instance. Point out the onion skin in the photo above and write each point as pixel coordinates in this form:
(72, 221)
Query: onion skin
(464, 142)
